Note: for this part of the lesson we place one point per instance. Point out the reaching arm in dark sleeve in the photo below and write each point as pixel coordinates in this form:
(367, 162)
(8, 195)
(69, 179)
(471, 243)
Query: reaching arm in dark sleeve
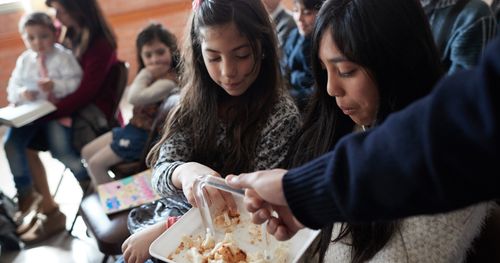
(439, 154)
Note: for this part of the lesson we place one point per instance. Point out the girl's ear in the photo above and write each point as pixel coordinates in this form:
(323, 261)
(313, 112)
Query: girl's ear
(263, 55)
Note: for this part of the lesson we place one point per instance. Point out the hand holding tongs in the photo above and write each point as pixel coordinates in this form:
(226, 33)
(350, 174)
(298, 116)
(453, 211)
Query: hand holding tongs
(220, 184)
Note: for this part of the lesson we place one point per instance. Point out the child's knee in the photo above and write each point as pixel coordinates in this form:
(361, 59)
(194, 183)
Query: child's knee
(95, 164)
(92, 163)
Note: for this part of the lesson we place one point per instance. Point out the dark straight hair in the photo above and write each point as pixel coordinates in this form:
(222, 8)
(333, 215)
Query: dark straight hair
(392, 41)
(89, 15)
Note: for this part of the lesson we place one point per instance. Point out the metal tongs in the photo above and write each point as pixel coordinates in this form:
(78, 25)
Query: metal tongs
(220, 184)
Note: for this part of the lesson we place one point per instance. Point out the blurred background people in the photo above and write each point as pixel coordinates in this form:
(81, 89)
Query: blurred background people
(45, 71)
(461, 30)
(88, 35)
(282, 20)
(296, 60)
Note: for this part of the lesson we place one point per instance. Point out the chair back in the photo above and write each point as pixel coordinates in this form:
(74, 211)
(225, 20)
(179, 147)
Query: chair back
(118, 77)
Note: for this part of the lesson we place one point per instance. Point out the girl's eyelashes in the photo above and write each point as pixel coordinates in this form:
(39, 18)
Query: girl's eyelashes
(346, 74)
(217, 59)
(341, 72)
(214, 59)
(243, 56)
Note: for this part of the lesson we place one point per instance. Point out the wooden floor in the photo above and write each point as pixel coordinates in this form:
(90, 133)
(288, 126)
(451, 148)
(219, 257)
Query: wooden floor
(64, 247)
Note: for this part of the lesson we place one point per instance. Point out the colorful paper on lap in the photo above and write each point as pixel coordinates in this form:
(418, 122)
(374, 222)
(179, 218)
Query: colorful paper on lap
(127, 193)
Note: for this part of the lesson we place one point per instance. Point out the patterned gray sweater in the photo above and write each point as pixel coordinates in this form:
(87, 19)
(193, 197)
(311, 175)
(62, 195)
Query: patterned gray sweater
(272, 146)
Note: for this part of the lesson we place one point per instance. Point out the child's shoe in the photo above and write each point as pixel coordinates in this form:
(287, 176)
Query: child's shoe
(46, 226)
(27, 203)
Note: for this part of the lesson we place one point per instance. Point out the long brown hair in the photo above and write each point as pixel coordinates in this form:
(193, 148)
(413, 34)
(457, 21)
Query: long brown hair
(91, 19)
(392, 40)
(197, 113)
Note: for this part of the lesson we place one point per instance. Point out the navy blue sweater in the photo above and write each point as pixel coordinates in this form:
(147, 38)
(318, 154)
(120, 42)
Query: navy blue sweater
(439, 154)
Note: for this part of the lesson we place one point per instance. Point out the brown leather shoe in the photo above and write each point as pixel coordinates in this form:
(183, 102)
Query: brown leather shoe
(47, 225)
(26, 204)
(27, 223)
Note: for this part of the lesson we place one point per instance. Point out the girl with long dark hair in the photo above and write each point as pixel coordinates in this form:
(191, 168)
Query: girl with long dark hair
(234, 114)
(372, 58)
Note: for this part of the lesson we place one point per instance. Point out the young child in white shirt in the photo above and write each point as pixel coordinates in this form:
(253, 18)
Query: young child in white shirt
(46, 70)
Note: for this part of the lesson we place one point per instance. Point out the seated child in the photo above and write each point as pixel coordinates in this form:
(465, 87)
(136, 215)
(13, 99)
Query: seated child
(156, 80)
(46, 70)
(234, 114)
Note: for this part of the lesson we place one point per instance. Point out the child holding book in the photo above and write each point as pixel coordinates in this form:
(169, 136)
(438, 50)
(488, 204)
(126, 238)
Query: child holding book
(46, 70)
